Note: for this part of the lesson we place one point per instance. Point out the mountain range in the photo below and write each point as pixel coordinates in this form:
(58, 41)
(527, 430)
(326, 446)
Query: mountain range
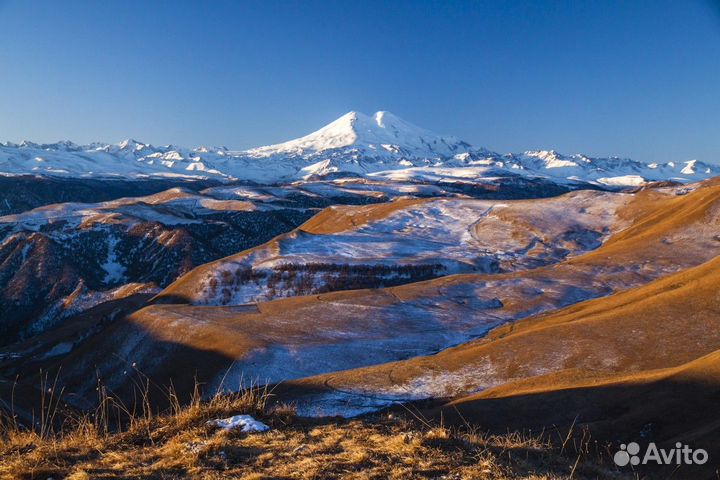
(381, 146)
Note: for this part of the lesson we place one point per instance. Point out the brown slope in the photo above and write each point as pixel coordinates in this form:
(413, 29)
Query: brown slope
(677, 404)
(613, 405)
(342, 218)
(668, 322)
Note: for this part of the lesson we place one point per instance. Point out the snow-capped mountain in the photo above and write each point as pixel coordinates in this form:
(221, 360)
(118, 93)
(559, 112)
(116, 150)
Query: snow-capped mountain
(382, 135)
(382, 145)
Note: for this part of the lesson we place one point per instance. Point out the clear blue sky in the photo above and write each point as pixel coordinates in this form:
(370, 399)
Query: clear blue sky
(633, 78)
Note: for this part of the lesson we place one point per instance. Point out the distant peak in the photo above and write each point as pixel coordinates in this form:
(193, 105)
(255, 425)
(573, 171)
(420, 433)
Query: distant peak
(130, 143)
(382, 134)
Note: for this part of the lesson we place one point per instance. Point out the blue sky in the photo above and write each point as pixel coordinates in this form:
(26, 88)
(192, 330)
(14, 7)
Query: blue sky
(635, 78)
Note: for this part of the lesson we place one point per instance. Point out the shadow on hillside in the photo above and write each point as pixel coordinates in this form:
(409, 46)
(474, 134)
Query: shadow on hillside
(101, 347)
(664, 412)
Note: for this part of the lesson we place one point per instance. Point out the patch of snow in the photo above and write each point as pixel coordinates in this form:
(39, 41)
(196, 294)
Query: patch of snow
(114, 270)
(59, 349)
(246, 423)
(25, 250)
(689, 168)
(624, 180)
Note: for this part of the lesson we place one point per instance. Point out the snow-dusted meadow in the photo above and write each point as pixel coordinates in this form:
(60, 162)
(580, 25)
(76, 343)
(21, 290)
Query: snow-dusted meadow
(444, 237)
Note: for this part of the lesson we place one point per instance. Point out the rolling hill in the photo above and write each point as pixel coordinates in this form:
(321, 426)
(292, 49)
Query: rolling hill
(660, 233)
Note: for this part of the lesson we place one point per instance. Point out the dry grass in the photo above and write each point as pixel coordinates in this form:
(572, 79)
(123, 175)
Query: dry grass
(349, 217)
(180, 444)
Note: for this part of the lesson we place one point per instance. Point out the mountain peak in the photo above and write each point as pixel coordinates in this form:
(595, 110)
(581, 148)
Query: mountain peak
(130, 144)
(376, 135)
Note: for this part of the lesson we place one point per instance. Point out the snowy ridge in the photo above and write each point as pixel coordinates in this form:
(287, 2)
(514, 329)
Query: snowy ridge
(355, 144)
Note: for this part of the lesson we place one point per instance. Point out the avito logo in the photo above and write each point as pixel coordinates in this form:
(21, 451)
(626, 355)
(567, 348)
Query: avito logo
(680, 455)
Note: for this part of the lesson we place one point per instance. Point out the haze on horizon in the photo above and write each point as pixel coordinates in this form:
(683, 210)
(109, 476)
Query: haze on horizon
(633, 79)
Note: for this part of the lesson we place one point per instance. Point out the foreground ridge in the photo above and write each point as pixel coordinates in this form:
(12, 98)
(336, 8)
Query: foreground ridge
(183, 443)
